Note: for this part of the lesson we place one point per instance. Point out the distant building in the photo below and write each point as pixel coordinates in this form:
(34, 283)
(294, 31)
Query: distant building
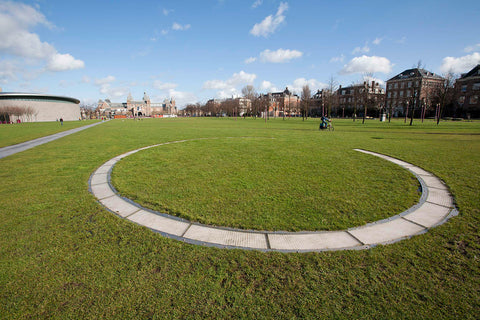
(317, 106)
(413, 88)
(352, 99)
(32, 107)
(137, 108)
(283, 103)
(229, 106)
(468, 93)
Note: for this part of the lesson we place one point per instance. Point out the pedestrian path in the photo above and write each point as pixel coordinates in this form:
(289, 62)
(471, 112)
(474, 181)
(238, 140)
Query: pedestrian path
(435, 207)
(7, 151)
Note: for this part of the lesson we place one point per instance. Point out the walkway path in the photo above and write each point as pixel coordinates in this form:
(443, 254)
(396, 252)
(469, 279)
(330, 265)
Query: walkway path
(7, 151)
(435, 207)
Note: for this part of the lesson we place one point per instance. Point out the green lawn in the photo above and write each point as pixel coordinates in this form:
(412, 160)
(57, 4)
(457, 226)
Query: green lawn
(62, 255)
(16, 133)
(295, 182)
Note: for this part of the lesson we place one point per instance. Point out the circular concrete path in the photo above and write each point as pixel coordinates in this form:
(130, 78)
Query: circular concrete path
(435, 207)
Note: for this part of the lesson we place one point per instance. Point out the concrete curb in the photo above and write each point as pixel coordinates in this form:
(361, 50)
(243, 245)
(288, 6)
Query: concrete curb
(435, 207)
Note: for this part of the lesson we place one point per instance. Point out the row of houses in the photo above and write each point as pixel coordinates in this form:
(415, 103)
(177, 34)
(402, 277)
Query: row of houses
(415, 90)
(277, 104)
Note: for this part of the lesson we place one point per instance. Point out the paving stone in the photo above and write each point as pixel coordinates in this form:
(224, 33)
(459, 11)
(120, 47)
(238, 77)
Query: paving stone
(227, 237)
(419, 171)
(385, 232)
(428, 214)
(159, 223)
(102, 191)
(126, 154)
(119, 206)
(103, 169)
(99, 178)
(434, 182)
(432, 212)
(440, 197)
(110, 162)
(399, 162)
(312, 241)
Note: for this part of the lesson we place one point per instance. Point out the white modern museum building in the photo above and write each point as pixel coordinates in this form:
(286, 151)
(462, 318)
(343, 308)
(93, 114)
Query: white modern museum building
(32, 107)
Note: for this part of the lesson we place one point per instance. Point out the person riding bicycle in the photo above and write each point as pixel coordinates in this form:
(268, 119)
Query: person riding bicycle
(324, 123)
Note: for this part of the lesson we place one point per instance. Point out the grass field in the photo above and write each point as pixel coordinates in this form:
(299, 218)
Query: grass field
(62, 255)
(16, 133)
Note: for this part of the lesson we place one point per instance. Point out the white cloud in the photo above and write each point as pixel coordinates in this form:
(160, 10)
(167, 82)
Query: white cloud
(338, 59)
(86, 79)
(459, 65)
(365, 64)
(181, 98)
(214, 84)
(8, 71)
(363, 49)
(15, 38)
(279, 55)
(115, 92)
(106, 88)
(106, 80)
(178, 27)
(166, 12)
(299, 83)
(377, 41)
(267, 86)
(370, 79)
(228, 93)
(231, 86)
(250, 60)
(63, 62)
(270, 23)
(257, 3)
(157, 84)
(472, 48)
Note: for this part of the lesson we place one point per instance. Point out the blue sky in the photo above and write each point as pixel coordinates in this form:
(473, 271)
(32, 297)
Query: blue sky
(197, 50)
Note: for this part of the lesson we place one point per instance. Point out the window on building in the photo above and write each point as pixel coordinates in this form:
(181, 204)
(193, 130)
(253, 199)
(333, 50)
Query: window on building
(473, 99)
(416, 83)
(409, 84)
(476, 86)
(343, 92)
(402, 85)
(389, 94)
(401, 94)
(461, 99)
(396, 85)
(464, 88)
(395, 94)
(409, 94)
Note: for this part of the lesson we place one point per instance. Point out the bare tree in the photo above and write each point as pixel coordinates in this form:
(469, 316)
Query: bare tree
(444, 95)
(330, 95)
(306, 96)
(250, 93)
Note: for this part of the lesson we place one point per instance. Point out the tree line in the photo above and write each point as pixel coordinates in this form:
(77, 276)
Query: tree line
(8, 112)
(441, 102)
